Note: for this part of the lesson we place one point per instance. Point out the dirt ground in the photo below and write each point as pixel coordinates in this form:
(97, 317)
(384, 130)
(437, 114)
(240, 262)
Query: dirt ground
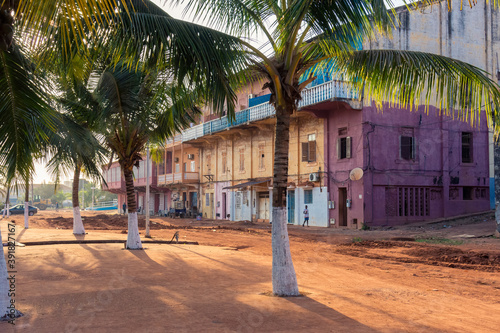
(428, 277)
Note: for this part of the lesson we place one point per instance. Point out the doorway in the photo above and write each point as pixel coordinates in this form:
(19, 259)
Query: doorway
(264, 206)
(291, 206)
(223, 213)
(342, 207)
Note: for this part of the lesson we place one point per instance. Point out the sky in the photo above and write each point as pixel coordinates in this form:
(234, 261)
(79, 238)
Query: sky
(41, 174)
(177, 12)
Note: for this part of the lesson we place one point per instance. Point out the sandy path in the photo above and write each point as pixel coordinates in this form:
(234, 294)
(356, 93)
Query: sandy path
(224, 287)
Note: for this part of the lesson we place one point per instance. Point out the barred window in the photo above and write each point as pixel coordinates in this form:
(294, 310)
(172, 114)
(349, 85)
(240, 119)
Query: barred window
(308, 197)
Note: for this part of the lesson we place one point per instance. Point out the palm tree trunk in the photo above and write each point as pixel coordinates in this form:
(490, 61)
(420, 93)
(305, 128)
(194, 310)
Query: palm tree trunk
(284, 278)
(133, 237)
(26, 202)
(7, 312)
(496, 161)
(78, 228)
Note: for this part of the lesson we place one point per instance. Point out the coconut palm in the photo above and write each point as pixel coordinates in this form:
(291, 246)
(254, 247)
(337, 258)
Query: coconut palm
(137, 107)
(301, 36)
(124, 29)
(76, 149)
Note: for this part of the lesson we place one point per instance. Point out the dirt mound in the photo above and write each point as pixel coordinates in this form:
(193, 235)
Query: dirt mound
(409, 252)
(454, 255)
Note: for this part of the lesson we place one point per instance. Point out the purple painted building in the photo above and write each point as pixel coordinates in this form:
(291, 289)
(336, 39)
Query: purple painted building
(416, 166)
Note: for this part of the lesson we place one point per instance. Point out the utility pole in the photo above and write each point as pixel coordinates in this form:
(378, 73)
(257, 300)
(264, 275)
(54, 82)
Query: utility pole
(147, 192)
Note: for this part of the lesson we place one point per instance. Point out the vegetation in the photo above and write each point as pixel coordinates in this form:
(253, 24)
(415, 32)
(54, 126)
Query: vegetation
(306, 33)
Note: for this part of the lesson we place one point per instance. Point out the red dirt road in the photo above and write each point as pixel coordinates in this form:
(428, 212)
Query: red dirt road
(352, 281)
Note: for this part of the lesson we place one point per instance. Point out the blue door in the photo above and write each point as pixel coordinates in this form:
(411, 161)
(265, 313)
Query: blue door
(291, 206)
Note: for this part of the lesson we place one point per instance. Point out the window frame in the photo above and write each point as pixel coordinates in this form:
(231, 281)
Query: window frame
(308, 197)
(411, 145)
(469, 145)
(309, 149)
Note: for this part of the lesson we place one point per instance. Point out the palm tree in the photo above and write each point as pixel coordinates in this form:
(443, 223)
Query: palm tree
(76, 148)
(303, 35)
(137, 107)
(131, 29)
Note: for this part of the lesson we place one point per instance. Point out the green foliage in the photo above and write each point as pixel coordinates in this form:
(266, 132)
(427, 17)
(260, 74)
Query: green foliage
(357, 239)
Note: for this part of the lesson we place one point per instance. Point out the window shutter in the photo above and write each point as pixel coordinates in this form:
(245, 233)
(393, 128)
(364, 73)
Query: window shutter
(305, 151)
(338, 149)
(348, 147)
(413, 148)
(312, 151)
(400, 155)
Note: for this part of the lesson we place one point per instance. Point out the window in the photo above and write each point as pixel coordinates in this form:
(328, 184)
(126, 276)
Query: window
(242, 159)
(193, 166)
(467, 192)
(466, 147)
(169, 162)
(184, 166)
(406, 143)
(224, 162)
(344, 147)
(161, 168)
(261, 156)
(177, 170)
(308, 197)
(407, 147)
(309, 149)
(207, 199)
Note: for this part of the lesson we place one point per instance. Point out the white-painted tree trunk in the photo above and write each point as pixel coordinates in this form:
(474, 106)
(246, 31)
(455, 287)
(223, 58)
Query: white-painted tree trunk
(26, 214)
(7, 209)
(284, 278)
(78, 228)
(133, 237)
(6, 313)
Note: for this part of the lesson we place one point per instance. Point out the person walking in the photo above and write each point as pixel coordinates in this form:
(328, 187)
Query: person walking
(57, 206)
(124, 208)
(306, 217)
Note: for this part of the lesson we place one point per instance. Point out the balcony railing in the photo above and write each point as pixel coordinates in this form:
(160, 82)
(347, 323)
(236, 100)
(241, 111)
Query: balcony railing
(177, 178)
(310, 96)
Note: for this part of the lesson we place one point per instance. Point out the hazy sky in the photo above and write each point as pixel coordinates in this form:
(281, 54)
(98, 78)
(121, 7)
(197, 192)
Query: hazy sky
(41, 173)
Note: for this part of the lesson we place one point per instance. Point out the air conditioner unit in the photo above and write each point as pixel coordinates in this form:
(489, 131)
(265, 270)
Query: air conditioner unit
(313, 177)
(190, 156)
(251, 96)
(176, 159)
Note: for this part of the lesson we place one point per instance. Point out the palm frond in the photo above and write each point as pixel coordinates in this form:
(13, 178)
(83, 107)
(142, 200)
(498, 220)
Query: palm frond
(25, 115)
(410, 78)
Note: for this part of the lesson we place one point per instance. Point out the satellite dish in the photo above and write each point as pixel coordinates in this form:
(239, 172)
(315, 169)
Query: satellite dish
(356, 174)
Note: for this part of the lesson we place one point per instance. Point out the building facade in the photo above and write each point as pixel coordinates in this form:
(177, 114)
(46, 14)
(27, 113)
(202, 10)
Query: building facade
(416, 164)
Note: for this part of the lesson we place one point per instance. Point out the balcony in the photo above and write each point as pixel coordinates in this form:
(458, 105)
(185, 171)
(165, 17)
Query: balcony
(175, 139)
(314, 95)
(114, 187)
(176, 178)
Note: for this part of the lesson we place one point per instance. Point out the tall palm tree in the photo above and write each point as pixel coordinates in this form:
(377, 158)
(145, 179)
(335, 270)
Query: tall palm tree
(137, 107)
(302, 35)
(123, 29)
(131, 29)
(76, 149)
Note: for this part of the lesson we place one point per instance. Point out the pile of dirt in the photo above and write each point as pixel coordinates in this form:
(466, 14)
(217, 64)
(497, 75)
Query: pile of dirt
(409, 252)
(456, 256)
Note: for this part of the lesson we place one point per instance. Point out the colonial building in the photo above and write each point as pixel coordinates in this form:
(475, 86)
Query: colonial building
(415, 165)
(115, 183)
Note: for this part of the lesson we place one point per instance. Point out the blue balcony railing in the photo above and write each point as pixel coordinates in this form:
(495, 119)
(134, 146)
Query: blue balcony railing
(314, 95)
